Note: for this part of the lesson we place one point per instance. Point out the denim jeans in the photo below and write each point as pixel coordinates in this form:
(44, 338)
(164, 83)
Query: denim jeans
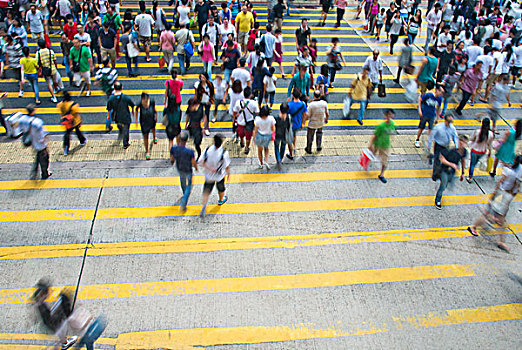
(429, 32)
(445, 180)
(279, 148)
(33, 80)
(207, 67)
(129, 61)
(94, 331)
(475, 157)
(465, 97)
(362, 108)
(123, 133)
(412, 38)
(227, 73)
(184, 63)
(445, 105)
(185, 180)
(67, 69)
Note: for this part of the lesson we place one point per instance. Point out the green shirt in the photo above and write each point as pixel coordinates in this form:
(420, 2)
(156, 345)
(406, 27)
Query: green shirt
(429, 69)
(382, 134)
(84, 60)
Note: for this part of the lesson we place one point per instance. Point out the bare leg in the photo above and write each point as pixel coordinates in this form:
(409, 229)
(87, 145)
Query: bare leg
(146, 143)
(260, 154)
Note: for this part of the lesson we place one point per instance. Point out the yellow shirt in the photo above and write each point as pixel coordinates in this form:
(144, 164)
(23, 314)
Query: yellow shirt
(244, 21)
(360, 87)
(65, 108)
(30, 65)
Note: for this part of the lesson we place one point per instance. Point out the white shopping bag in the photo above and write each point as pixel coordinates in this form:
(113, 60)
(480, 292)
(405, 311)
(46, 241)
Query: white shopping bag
(346, 106)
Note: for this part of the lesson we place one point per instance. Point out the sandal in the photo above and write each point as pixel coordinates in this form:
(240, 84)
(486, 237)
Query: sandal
(147, 156)
(155, 141)
(213, 120)
(473, 232)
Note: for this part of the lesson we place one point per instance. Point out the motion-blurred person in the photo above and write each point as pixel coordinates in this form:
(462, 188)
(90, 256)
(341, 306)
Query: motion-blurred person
(83, 325)
(185, 160)
(106, 76)
(449, 161)
(380, 143)
(71, 119)
(35, 135)
(118, 107)
(146, 109)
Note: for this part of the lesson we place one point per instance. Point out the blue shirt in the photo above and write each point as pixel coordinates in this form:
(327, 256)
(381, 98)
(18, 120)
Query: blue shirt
(429, 105)
(296, 110)
(269, 41)
(183, 157)
(443, 135)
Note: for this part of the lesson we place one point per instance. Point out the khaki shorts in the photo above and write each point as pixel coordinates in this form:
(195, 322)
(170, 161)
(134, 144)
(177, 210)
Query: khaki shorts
(383, 155)
(492, 78)
(37, 36)
(145, 40)
(242, 38)
(108, 52)
(78, 76)
(423, 87)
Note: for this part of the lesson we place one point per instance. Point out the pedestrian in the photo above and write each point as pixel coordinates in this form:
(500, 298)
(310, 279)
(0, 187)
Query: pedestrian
(269, 87)
(448, 163)
(105, 77)
(211, 28)
(253, 58)
(245, 111)
(182, 37)
(380, 142)
(499, 96)
(405, 60)
(298, 111)
(172, 104)
(362, 87)
(230, 58)
(13, 55)
(244, 23)
(300, 82)
(72, 120)
(495, 72)
(144, 24)
(146, 109)
(268, 42)
(468, 84)
(225, 29)
(81, 66)
(30, 72)
(395, 30)
(46, 59)
(278, 13)
(505, 191)
(429, 107)
(119, 104)
(263, 130)
(208, 55)
(220, 88)
(317, 117)
(259, 73)
(481, 140)
(334, 57)
(283, 129)
(506, 150)
(112, 18)
(85, 38)
(34, 19)
(167, 43)
(204, 93)
(235, 93)
(425, 77)
(93, 29)
(442, 40)
(303, 35)
(185, 160)
(195, 114)
(448, 83)
(446, 60)
(325, 8)
(242, 74)
(35, 135)
(379, 22)
(341, 8)
(202, 11)
(441, 136)
(433, 19)
(160, 19)
(130, 49)
(374, 12)
(375, 65)
(183, 14)
(390, 13)
(216, 165)
(18, 32)
(71, 27)
(414, 26)
(108, 43)
(278, 51)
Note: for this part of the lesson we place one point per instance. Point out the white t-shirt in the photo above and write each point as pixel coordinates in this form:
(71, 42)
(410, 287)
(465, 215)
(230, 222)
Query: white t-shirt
(145, 22)
(434, 19)
(264, 126)
(487, 61)
(249, 107)
(216, 162)
(375, 66)
(64, 6)
(498, 59)
(219, 89)
(252, 60)
(506, 66)
(224, 32)
(205, 99)
(242, 75)
(443, 40)
(518, 56)
(497, 43)
(270, 83)
(184, 12)
(233, 100)
(487, 33)
(103, 6)
(474, 52)
(85, 38)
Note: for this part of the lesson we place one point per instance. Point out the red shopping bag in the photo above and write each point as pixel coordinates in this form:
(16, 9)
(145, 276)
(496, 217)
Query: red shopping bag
(161, 62)
(366, 158)
(47, 40)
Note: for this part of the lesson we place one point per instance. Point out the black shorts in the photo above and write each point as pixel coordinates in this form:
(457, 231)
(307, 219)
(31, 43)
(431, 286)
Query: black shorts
(326, 8)
(208, 186)
(173, 130)
(424, 121)
(196, 134)
(515, 71)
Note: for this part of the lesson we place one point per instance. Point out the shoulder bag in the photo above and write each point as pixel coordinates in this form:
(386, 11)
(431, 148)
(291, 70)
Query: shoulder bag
(76, 63)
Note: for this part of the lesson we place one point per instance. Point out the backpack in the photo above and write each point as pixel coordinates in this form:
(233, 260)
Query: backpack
(67, 119)
(252, 36)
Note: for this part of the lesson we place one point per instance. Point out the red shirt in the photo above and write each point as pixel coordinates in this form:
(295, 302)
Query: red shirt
(175, 88)
(70, 30)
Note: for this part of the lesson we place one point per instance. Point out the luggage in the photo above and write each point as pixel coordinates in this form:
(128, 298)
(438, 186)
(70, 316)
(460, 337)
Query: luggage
(13, 130)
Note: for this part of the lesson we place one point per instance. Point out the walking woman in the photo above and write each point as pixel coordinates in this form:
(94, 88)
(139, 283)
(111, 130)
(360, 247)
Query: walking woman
(148, 117)
(263, 130)
(395, 29)
(506, 151)
(30, 72)
(71, 119)
(334, 59)
(341, 8)
(194, 116)
(172, 103)
(204, 93)
(208, 56)
(278, 51)
(159, 15)
(283, 129)
(480, 145)
(414, 26)
(405, 60)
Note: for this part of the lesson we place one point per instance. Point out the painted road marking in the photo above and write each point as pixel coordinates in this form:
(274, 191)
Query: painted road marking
(237, 208)
(253, 284)
(225, 244)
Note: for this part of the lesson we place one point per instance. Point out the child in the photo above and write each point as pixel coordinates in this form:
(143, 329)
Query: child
(219, 94)
(269, 83)
(379, 23)
(448, 82)
(283, 126)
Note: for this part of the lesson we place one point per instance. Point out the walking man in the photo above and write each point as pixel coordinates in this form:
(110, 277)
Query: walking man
(70, 112)
(81, 66)
(118, 106)
(216, 164)
(185, 160)
(374, 64)
(35, 135)
(380, 142)
(144, 22)
(442, 135)
(429, 111)
(183, 36)
(361, 90)
(317, 116)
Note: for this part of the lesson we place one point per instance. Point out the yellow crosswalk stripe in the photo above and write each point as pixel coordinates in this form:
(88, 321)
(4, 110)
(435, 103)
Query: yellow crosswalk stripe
(163, 339)
(252, 284)
(236, 208)
(35, 336)
(225, 244)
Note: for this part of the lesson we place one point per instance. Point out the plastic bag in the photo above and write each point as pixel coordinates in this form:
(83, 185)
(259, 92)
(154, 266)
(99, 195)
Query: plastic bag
(366, 158)
(411, 93)
(161, 62)
(346, 106)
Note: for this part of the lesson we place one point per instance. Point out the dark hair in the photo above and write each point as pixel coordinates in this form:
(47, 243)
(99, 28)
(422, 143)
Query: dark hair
(68, 17)
(31, 107)
(247, 92)
(518, 129)
(174, 73)
(168, 26)
(41, 44)
(325, 70)
(118, 86)
(264, 111)
(218, 140)
(517, 162)
(269, 28)
(389, 110)
(283, 107)
(296, 93)
(236, 86)
(484, 130)
(66, 95)
(26, 51)
(145, 95)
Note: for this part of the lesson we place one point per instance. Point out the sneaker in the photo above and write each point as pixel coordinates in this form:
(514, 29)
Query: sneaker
(289, 156)
(360, 121)
(225, 198)
(21, 93)
(438, 206)
(207, 133)
(267, 166)
(70, 342)
(88, 93)
(417, 144)
(82, 88)
(308, 151)
(66, 151)
(54, 99)
(260, 166)
(246, 150)
(319, 149)
(458, 112)
(83, 143)
(49, 174)
(383, 179)
(126, 146)
(471, 103)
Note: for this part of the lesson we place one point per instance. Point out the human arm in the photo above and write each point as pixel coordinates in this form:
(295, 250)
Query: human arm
(326, 115)
(450, 164)
(194, 163)
(173, 160)
(136, 115)
(424, 61)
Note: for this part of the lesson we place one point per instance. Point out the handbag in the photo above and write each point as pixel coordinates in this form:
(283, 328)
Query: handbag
(44, 71)
(132, 51)
(67, 119)
(76, 64)
(338, 66)
(409, 69)
(381, 90)
(161, 62)
(366, 158)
